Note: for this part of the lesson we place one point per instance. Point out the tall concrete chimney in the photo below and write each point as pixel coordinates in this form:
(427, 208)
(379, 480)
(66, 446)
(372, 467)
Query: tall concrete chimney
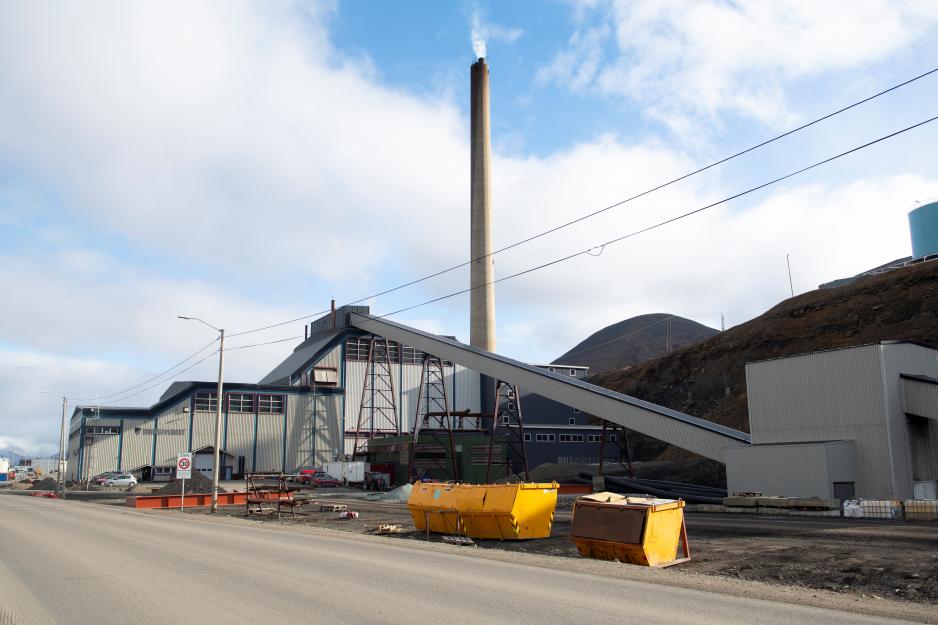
(482, 271)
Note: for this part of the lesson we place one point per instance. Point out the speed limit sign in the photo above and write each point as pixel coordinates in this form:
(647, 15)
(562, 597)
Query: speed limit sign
(184, 466)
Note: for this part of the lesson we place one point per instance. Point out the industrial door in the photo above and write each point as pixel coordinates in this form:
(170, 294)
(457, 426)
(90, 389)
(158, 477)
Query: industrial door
(203, 464)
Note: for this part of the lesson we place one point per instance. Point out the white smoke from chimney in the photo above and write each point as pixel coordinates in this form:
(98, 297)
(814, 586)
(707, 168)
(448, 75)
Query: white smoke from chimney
(480, 32)
(478, 46)
(478, 36)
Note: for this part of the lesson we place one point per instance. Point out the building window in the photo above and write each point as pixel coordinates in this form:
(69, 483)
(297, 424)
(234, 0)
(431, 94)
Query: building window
(551, 369)
(356, 348)
(572, 421)
(573, 372)
(565, 438)
(505, 419)
(577, 438)
(527, 438)
(613, 437)
(102, 429)
(576, 411)
(240, 402)
(206, 401)
(270, 404)
(545, 438)
(595, 438)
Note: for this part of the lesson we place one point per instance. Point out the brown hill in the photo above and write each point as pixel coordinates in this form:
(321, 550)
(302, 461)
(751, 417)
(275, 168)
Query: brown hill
(708, 379)
(635, 340)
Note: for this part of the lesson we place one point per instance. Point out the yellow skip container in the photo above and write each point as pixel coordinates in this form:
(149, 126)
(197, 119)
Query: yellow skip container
(637, 530)
(501, 511)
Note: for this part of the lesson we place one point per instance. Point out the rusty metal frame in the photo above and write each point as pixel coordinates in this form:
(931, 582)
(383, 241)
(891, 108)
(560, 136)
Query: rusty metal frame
(435, 422)
(620, 445)
(508, 405)
(378, 405)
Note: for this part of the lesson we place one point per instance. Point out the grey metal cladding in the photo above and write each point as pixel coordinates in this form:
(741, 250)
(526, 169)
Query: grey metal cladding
(692, 433)
(920, 396)
(306, 352)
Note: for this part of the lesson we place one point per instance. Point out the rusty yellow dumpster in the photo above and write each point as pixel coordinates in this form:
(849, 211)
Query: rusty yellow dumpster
(499, 511)
(637, 530)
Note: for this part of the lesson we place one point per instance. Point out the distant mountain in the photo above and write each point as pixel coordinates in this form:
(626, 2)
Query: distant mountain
(635, 340)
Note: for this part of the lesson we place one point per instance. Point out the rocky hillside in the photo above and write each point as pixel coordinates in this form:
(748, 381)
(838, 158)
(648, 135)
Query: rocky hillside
(708, 380)
(634, 341)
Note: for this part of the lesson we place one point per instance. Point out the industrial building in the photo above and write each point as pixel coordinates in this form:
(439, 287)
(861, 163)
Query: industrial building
(335, 392)
(855, 422)
(845, 423)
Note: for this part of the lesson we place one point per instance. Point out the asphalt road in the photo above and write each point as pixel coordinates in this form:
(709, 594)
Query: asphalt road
(69, 562)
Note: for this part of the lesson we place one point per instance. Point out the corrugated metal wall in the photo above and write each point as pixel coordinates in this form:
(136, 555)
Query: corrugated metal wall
(102, 454)
(240, 439)
(920, 398)
(269, 443)
(787, 470)
(836, 395)
(203, 429)
(899, 358)
(462, 391)
(172, 434)
(137, 450)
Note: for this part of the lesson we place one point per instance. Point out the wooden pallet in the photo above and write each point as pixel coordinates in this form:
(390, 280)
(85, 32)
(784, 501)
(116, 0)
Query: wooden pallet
(462, 541)
(332, 507)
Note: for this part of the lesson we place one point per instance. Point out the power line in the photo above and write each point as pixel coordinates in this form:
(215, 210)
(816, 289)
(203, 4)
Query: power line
(289, 338)
(601, 247)
(617, 339)
(611, 206)
(283, 323)
(141, 391)
(158, 375)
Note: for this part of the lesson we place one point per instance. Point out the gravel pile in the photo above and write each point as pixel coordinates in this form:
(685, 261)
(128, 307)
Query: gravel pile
(47, 483)
(198, 484)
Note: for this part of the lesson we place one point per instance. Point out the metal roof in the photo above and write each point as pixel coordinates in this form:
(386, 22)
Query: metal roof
(692, 433)
(309, 350)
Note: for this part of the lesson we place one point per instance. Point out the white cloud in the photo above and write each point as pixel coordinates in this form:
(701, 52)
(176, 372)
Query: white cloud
(233, 140)
(690, 58)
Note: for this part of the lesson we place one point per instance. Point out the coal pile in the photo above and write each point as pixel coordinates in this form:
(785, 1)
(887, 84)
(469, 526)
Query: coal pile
(47, 483)
(198, 484)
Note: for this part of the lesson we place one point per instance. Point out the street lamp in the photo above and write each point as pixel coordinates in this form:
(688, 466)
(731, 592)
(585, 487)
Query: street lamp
(216, 468)
(59, 482)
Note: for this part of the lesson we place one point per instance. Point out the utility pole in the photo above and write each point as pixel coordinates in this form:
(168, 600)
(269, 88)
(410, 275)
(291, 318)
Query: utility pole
(722, 323)
(60, 477)
(216, 463)
(790, 284)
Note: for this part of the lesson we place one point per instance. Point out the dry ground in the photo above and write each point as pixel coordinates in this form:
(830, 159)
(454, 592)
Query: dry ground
(854, 557)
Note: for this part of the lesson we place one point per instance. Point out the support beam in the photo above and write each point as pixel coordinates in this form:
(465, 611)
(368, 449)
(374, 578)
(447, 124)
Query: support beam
(692, 433)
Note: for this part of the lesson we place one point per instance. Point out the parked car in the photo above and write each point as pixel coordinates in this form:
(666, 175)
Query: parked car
(305, 476)
(324, 480)
(104, 477)
(124, 479)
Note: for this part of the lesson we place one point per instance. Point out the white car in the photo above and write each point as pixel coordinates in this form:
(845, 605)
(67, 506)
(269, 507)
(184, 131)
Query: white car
(124, 479)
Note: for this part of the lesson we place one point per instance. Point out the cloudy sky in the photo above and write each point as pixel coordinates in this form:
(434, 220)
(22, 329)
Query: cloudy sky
(246, 162)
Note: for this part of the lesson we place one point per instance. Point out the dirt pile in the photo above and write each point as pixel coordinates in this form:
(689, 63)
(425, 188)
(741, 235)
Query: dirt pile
(708, 379)
(47, 483)
(198, 484)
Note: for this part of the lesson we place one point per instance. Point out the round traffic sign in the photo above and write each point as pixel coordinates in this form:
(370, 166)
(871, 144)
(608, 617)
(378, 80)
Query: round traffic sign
(183, 464)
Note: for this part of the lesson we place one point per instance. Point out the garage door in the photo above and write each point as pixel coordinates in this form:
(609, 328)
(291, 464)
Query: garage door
(203, 464)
